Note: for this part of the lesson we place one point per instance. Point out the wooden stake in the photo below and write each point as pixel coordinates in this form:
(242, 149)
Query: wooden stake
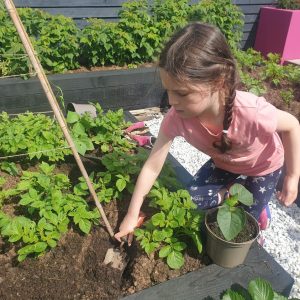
(53, 102)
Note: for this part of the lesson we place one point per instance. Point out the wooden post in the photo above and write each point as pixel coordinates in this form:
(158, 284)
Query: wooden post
(53, 102)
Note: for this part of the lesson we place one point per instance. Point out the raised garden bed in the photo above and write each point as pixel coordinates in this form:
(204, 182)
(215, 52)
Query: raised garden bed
(75, 270)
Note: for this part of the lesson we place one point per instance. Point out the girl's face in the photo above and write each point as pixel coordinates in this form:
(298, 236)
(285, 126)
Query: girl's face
(189, 100)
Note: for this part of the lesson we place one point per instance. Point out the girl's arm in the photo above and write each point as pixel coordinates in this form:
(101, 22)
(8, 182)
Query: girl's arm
(289, 128)
(145, 181)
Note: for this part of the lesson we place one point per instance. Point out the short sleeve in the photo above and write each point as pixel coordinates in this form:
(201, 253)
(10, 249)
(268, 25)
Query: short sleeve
(266, 117)
(168, 125)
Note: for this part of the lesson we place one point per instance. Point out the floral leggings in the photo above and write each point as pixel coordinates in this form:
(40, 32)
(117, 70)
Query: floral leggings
(209, 180)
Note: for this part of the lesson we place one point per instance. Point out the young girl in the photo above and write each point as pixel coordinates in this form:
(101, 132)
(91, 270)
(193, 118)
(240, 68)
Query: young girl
(238, 130)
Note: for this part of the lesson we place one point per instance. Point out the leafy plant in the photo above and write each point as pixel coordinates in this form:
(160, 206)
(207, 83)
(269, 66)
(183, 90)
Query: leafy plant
(9, 167)
(32, 133)
(274, 71)
(105, 131)
(248, 59)
(169, 16)
(287, 95)
(288, 4)
(138, 23)
(48, 207)
(231, 218)
(258, 289)
(168, 229)
(225, 15)
(252, 84)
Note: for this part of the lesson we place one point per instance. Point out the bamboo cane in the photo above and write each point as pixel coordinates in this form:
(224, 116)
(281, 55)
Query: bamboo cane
(53, 102)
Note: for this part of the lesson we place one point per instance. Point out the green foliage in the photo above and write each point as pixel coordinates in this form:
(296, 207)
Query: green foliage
(137, 22)
(273, 70)
(9, 167)
(248, 59)
(258, 289)
(105, 131)
(230, 218)
(168, 229)
(287, 95)
(55, 39)
(225, 15)
(169, 16)
(253, 85)
(288, 4)
(48, 207)
(31, 133)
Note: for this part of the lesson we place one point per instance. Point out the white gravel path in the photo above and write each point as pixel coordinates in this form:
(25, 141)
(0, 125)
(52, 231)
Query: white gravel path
(282, 238)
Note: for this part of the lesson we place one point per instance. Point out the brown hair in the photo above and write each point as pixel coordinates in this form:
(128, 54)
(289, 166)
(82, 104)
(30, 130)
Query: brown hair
(199, 52)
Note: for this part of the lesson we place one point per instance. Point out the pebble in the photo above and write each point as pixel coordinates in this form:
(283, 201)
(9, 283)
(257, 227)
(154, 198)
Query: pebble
(282, 238)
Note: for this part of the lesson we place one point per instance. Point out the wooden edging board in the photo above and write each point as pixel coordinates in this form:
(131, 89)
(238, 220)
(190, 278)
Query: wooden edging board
(127, 89)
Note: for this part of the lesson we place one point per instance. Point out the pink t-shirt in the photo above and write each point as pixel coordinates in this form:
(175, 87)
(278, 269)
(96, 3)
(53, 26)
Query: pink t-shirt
(257, 149)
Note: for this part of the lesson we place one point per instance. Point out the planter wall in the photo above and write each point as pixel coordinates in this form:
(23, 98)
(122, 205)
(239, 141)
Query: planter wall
(279, 32)
(127, 89)
(131, 90)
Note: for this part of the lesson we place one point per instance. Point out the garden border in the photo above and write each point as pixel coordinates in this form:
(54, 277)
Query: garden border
(116, 89)
(113, 89)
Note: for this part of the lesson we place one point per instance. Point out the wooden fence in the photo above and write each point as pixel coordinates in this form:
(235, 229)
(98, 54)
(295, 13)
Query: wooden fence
(108, 10)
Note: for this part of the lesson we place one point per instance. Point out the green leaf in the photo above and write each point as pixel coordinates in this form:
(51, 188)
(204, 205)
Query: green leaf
(231, 221)
(165, 251)
(46, 168)
(40, 247)
(244, 196)
(85, 225)
(260, 289)
(121, 184)
(10, 168)
(280, 297)
(175, 260)
(179, 246)
(232, 295)
(80, 146)
(158, 219)
(72, 117)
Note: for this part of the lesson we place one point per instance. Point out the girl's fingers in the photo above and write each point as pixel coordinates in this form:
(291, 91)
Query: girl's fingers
(130, 239)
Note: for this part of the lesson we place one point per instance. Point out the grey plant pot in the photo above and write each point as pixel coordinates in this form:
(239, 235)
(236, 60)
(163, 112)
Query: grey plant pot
(224, 253)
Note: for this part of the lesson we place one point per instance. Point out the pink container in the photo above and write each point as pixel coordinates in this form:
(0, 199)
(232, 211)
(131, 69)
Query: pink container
(279, 32)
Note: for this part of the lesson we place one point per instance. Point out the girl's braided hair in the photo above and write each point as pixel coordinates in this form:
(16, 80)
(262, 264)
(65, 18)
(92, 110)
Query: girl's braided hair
(199, 52)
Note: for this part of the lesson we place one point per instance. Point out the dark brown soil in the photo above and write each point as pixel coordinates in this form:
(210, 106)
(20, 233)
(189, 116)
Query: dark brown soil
(75, 269)
(248, 233)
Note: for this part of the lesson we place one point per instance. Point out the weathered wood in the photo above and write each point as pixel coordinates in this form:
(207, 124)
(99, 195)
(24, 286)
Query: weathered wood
(130, 89)
(65, 3)
(211, 281)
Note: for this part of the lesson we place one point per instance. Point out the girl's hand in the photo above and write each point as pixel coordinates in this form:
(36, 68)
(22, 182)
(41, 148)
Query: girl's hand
(128, 225)
(289, 190)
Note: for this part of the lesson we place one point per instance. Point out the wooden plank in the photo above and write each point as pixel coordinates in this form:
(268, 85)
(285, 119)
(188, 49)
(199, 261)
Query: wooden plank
(211, 281)
(68, 3)
(132, 89)
(85, 12)
(260, 2)
(250, 9)
(251, 18)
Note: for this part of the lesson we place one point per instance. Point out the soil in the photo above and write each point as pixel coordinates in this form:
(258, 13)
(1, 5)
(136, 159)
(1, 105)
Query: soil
(248, 233)
(75, 270)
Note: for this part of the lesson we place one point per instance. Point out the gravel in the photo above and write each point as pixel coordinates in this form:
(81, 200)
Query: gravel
(282, 238)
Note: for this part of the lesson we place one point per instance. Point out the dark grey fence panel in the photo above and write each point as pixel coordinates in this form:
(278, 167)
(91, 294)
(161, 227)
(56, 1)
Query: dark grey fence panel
(108, 10)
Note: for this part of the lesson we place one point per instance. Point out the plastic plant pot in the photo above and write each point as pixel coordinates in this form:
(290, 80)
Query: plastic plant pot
(225, 253)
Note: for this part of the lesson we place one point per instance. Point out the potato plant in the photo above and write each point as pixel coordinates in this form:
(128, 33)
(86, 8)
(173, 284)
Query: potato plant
(48, 207)
(168, 230)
